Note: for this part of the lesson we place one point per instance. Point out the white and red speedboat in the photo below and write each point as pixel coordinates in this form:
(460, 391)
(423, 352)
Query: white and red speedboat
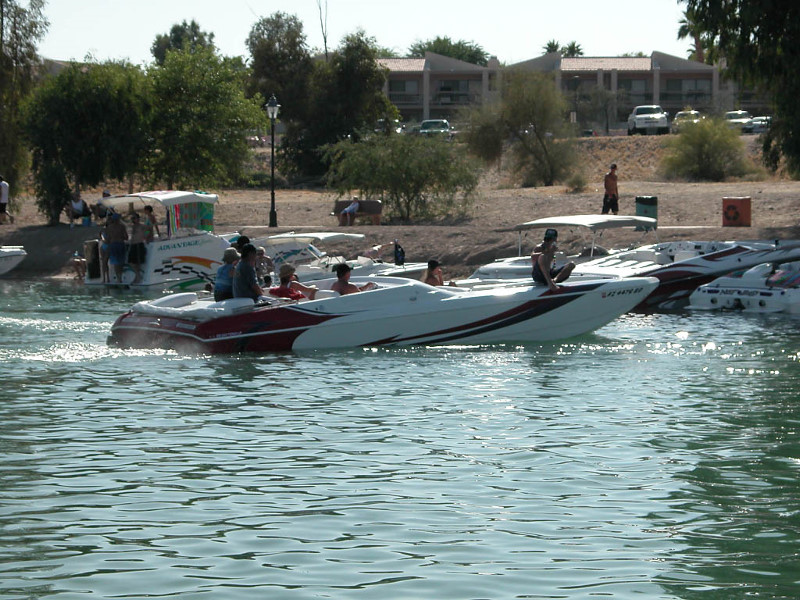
(681, 267)
(398, 312)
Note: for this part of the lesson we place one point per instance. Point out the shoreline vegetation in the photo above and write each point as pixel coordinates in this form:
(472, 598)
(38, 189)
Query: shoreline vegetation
(685, 211)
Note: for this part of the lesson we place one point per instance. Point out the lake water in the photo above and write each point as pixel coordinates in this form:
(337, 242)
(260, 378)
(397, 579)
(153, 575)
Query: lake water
(656, 458)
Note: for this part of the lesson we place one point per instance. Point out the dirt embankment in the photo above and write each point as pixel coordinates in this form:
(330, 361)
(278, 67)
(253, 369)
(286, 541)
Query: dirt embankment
(685, 211)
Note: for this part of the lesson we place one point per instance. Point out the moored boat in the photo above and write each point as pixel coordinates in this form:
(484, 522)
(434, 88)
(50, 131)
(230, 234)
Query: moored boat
(312, 263)
(185, 257)
(681, 267)
(760, 289)
(10, 257)
(398, 312)
(590, 227)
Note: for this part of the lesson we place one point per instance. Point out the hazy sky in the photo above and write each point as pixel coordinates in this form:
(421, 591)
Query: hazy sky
(512, 30)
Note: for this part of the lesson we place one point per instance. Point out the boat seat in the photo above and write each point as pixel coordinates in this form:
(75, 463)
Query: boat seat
(685, 254)
(644, 255)
(176, 300)
(321, 294)
(232, 304)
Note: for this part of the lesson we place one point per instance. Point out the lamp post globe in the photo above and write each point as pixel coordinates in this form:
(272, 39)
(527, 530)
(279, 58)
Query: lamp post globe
(272, 113)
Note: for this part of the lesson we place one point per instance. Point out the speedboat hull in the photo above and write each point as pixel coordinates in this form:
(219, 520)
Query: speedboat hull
(693, 264)
(10, 257)
(760, 289)
(398, 313)
(680, 267)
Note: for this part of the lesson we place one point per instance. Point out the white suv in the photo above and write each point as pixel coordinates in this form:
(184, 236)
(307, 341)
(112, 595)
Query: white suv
(649, 118)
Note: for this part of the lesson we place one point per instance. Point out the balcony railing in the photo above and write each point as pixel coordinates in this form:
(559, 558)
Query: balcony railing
(455, 98)
(404, 99)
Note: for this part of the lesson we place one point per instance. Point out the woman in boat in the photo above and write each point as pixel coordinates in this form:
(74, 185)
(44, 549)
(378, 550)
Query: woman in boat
(289, 286)
(150, 225)
(223, 283)
(542, 259)
(433, 274)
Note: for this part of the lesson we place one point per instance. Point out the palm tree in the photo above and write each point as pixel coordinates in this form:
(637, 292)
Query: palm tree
(690, 28)
(572, 50)
(551, 46)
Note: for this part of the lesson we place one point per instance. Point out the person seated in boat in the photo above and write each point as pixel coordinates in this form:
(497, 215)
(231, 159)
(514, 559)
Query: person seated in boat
(349, 213)
(291, 288)
(240, 242)
(542, 259)
(264, 266)
(223, 283)
(245, 282)
(342, 284)
(433, 274)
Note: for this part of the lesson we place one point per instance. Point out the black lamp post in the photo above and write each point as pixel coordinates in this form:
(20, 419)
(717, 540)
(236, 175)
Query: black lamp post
(272, 113)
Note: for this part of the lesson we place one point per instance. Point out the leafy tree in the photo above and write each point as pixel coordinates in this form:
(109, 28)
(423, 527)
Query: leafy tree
(89, 124)
(186, 36)
(760, 40)
(708, 150)
(345, 97)
(415, 176)
(529, 120)
(281, 63)
(572, 50)
(200, 120)
(20, 30)
(462, 50)
(552, 46)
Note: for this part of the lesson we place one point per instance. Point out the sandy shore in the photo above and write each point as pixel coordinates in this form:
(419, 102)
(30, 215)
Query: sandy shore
(685, 211)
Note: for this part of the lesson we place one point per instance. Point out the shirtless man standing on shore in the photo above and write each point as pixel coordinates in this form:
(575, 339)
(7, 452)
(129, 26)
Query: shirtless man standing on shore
(611, 196)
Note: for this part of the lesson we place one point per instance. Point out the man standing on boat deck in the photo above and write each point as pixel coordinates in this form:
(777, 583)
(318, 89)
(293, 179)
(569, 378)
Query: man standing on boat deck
(611, 194)
(245, 282)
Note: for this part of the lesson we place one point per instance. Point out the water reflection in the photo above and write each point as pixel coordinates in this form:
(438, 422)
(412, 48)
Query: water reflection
(655, 458)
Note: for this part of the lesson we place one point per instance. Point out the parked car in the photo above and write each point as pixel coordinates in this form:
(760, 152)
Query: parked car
(761, 124)
(436, 127)
(739, 119)
(649, 118)
(684, 118)
(393, 126)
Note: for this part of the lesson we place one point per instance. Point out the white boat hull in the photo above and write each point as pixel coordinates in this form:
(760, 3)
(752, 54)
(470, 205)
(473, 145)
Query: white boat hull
(681, 267)
(399, 313)
(177, 264)
(758, 290)
(10, 258)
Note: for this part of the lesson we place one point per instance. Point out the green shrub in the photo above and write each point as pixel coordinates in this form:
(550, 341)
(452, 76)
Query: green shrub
(576, 182)
(415, 176)
(708, 150)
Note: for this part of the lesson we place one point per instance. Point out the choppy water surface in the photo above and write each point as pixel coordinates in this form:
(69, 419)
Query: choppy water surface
(657, 458)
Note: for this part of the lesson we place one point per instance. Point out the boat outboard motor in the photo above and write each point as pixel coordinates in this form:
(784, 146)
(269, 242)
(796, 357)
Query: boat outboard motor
(399, 254)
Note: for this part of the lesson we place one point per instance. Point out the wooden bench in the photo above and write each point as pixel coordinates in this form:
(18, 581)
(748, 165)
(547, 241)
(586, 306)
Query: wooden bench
(370, 209)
